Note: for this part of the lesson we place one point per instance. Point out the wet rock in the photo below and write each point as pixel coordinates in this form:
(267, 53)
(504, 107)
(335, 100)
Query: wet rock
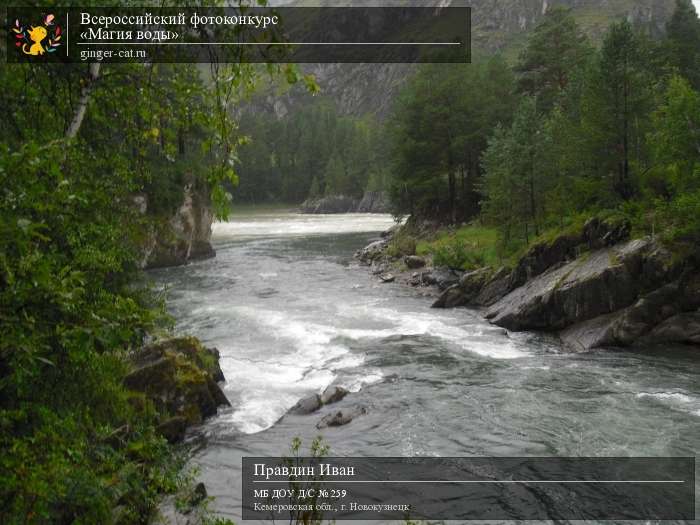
(451, 298)
(379, 268)
(198, 496)
(307, 405)
(177, 376)
(185, 237)
(465, 292)
(658, 316)
(680, 328)
(371, 252)
(442, 277)
(495, 288)
(341, 417)
(413, 262)
(333, 394)
(387, 277)
(597, 284)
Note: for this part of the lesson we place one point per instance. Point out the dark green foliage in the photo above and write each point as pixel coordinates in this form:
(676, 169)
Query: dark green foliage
(75, 445)
(309, 153)
(596, 132)
(439, 129)
(555, 50)
(683, 42)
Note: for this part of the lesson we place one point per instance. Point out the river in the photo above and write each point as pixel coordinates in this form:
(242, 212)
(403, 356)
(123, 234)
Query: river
(291, 312)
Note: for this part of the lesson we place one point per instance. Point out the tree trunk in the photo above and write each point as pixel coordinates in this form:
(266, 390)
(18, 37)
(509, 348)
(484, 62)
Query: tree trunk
(85, 92)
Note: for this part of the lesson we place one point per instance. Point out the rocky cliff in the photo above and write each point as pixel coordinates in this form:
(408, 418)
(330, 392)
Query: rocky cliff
(183, 237)
(497, 26)
(371, 202)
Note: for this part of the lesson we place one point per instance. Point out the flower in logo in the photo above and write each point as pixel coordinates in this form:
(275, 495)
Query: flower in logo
(37, 40)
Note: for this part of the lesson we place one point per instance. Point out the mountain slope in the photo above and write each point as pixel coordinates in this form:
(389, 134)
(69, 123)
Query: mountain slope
(497, 26)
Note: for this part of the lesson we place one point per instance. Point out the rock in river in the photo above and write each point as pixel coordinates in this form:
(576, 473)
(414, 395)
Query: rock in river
(307, 405)
(333, 394)
(341, 417)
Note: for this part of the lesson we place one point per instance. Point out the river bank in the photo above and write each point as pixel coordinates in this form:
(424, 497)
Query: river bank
(292, 312)
(593, 286)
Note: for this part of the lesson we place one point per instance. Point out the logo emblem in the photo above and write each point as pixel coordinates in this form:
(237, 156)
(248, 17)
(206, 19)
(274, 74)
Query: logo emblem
(37, 40)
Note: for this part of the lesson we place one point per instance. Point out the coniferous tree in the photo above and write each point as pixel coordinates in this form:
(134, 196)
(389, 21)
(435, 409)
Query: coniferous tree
(683, 35)
(554, 51)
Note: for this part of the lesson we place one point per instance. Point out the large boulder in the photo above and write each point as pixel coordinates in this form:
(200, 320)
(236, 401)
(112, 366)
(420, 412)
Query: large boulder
(495, 288)
(442, 277)
(595, 234)
(183, 237)
(680, 328)
(179, 376)
(372, 251)
(333, 394)
(598, 283)
(312, 403)
(307, 405)
(667, 314)
(464, 293)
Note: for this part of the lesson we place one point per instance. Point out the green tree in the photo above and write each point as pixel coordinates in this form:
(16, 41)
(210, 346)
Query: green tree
(439, 129)
(675, 143)
(616, 107)
(515, 181)
(683, 37)
(555, 50)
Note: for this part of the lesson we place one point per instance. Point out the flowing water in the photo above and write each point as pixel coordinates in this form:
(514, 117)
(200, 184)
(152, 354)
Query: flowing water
(291, 312)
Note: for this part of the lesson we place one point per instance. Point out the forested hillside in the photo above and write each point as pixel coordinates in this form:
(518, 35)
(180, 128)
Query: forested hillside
(570, 131)
(311, 153)
(286, 165)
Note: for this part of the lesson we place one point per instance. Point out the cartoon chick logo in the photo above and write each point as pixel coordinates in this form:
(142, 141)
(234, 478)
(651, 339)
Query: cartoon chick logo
(37, 40)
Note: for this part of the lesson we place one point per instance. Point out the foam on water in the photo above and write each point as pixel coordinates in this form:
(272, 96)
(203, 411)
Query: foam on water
(271, 387)
(675, 400)
(298, 224)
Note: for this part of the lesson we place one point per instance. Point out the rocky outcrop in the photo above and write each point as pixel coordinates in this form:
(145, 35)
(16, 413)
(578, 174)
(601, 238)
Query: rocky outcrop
(484, 287)
(373, 251)
(633, 293)
(181, 238)
(374, 202)
(371, 202)
(328, 205)
(594, 287)
(180, 377)
(596, 233)
(668, 314)
(598, 283)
